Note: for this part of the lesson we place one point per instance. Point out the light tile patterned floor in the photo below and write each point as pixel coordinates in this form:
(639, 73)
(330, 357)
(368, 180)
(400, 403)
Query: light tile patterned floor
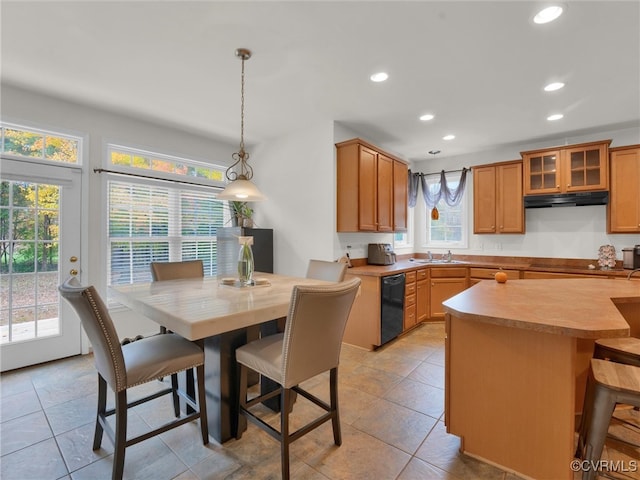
(391, 408)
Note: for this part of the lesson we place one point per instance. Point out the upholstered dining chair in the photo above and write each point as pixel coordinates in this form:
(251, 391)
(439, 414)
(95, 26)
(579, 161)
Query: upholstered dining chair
(324, 270)
(309, 346)
(121, 367)
(175, 271)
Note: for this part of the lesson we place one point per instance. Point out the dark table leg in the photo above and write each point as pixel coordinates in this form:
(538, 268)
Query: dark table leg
(221, 381)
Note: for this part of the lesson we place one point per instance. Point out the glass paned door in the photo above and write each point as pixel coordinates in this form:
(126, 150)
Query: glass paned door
(39, 238)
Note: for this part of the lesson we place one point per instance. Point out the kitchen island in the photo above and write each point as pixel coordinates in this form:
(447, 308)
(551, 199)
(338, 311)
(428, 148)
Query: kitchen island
(516, 361)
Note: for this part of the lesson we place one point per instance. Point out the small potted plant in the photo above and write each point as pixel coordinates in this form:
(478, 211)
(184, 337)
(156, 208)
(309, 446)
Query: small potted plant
(241, 214)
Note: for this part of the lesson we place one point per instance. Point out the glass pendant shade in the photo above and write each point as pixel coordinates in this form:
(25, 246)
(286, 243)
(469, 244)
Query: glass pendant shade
(241, 190)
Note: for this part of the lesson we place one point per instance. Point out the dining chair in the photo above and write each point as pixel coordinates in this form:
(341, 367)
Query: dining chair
(309, 346)
(324, 270)
(175, 271)
(121, 367)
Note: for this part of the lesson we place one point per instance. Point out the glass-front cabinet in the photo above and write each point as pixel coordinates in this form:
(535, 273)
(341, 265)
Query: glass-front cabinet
(573, 168)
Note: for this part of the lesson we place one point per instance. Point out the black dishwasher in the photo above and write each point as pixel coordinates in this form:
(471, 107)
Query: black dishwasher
(392, 307)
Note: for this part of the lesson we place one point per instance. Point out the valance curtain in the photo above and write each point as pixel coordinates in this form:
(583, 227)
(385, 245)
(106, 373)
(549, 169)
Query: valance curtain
(452, 196)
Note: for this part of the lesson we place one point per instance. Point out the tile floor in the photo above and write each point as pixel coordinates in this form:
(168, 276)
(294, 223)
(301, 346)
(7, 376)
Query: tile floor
(391, 407)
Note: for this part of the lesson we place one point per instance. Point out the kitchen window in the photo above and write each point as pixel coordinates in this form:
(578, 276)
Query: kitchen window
(449, 230)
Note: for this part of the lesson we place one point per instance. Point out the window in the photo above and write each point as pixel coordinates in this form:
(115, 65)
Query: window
(134, 160)
(450, 229)
(39, 144)
(405, 239)
(151, 221)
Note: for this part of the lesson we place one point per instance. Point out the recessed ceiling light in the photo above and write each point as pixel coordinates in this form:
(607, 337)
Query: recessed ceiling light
(448, 137)
(555, 116)
(426, 117)
(548, 14)
(379, 77)
(553, 86)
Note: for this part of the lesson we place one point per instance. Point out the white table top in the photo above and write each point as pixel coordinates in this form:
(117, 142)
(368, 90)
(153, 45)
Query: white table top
(203, 307)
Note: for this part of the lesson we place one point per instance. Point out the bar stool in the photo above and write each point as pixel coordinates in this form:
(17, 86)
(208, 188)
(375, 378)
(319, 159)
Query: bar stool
(621, 350)
(609, 384)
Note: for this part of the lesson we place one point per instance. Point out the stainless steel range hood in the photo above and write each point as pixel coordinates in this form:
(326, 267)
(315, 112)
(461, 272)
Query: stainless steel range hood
(566, 199)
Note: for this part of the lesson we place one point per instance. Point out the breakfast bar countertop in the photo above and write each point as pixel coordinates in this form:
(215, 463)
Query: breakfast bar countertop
(583, 308)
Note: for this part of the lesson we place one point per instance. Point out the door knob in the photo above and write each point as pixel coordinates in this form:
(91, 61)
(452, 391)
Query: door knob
(73, 259)
(73, 271)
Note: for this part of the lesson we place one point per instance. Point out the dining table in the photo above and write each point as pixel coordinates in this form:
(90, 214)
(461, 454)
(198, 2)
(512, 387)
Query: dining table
(217, 312)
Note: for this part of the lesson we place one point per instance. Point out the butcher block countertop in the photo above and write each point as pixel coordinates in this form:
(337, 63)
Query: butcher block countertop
(582, 308)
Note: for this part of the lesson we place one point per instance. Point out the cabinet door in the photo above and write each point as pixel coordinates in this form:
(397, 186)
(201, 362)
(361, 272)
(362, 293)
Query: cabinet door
(624, 202)
(441, 290)
(509, 204)
(385, 194)
(484, 199)
(422, 300)
(400, 196)
(542, 172)
(367, 184)
(585, 168)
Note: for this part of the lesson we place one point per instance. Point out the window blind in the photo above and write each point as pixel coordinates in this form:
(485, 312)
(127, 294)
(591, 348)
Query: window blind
(158, 223)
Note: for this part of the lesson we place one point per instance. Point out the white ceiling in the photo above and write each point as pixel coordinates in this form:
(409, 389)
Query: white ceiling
(480, 67)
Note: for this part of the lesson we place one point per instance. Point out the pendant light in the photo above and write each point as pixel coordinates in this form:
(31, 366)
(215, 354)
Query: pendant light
(241, 188)
(435, 215)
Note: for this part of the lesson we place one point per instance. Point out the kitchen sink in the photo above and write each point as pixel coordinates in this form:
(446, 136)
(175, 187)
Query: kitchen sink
(434, 261)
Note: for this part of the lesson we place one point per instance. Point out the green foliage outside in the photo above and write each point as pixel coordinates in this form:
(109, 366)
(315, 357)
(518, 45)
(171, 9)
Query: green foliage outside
(29, 227)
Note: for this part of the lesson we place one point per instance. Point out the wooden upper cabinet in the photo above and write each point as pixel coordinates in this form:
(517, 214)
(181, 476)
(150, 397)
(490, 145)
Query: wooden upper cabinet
(369, 189)
(574, 168)
(623, 210)
(497, 198)
(400, 195)
(385, 194)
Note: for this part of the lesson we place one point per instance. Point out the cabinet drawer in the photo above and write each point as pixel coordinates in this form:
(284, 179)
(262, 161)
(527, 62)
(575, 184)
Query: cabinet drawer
(409, 316)
(454, 272)
(422, 274)
(488, 273)
(410, 299)
(410, 289)
(410, 277)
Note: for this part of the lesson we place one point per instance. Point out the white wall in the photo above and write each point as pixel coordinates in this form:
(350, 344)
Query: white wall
(568, 232)
(297, 174)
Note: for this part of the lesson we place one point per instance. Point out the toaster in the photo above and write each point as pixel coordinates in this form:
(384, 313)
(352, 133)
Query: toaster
(381, 254)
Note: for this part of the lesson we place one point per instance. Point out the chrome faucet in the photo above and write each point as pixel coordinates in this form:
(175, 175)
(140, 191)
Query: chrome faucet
(632, 272)
(430, 256)
(447, 256)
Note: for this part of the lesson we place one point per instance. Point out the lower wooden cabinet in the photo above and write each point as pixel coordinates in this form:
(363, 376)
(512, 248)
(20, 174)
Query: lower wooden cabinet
(478, 274)
(422, 295)
(410, 289)
(444, 284)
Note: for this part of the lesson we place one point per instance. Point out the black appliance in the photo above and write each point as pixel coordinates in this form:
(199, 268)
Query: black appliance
(577, 199)
(228, 248)
(392, 307)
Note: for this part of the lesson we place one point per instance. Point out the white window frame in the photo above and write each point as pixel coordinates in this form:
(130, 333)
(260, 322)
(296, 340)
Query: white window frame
(465, 212)
(79, 139)
(185, 183)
